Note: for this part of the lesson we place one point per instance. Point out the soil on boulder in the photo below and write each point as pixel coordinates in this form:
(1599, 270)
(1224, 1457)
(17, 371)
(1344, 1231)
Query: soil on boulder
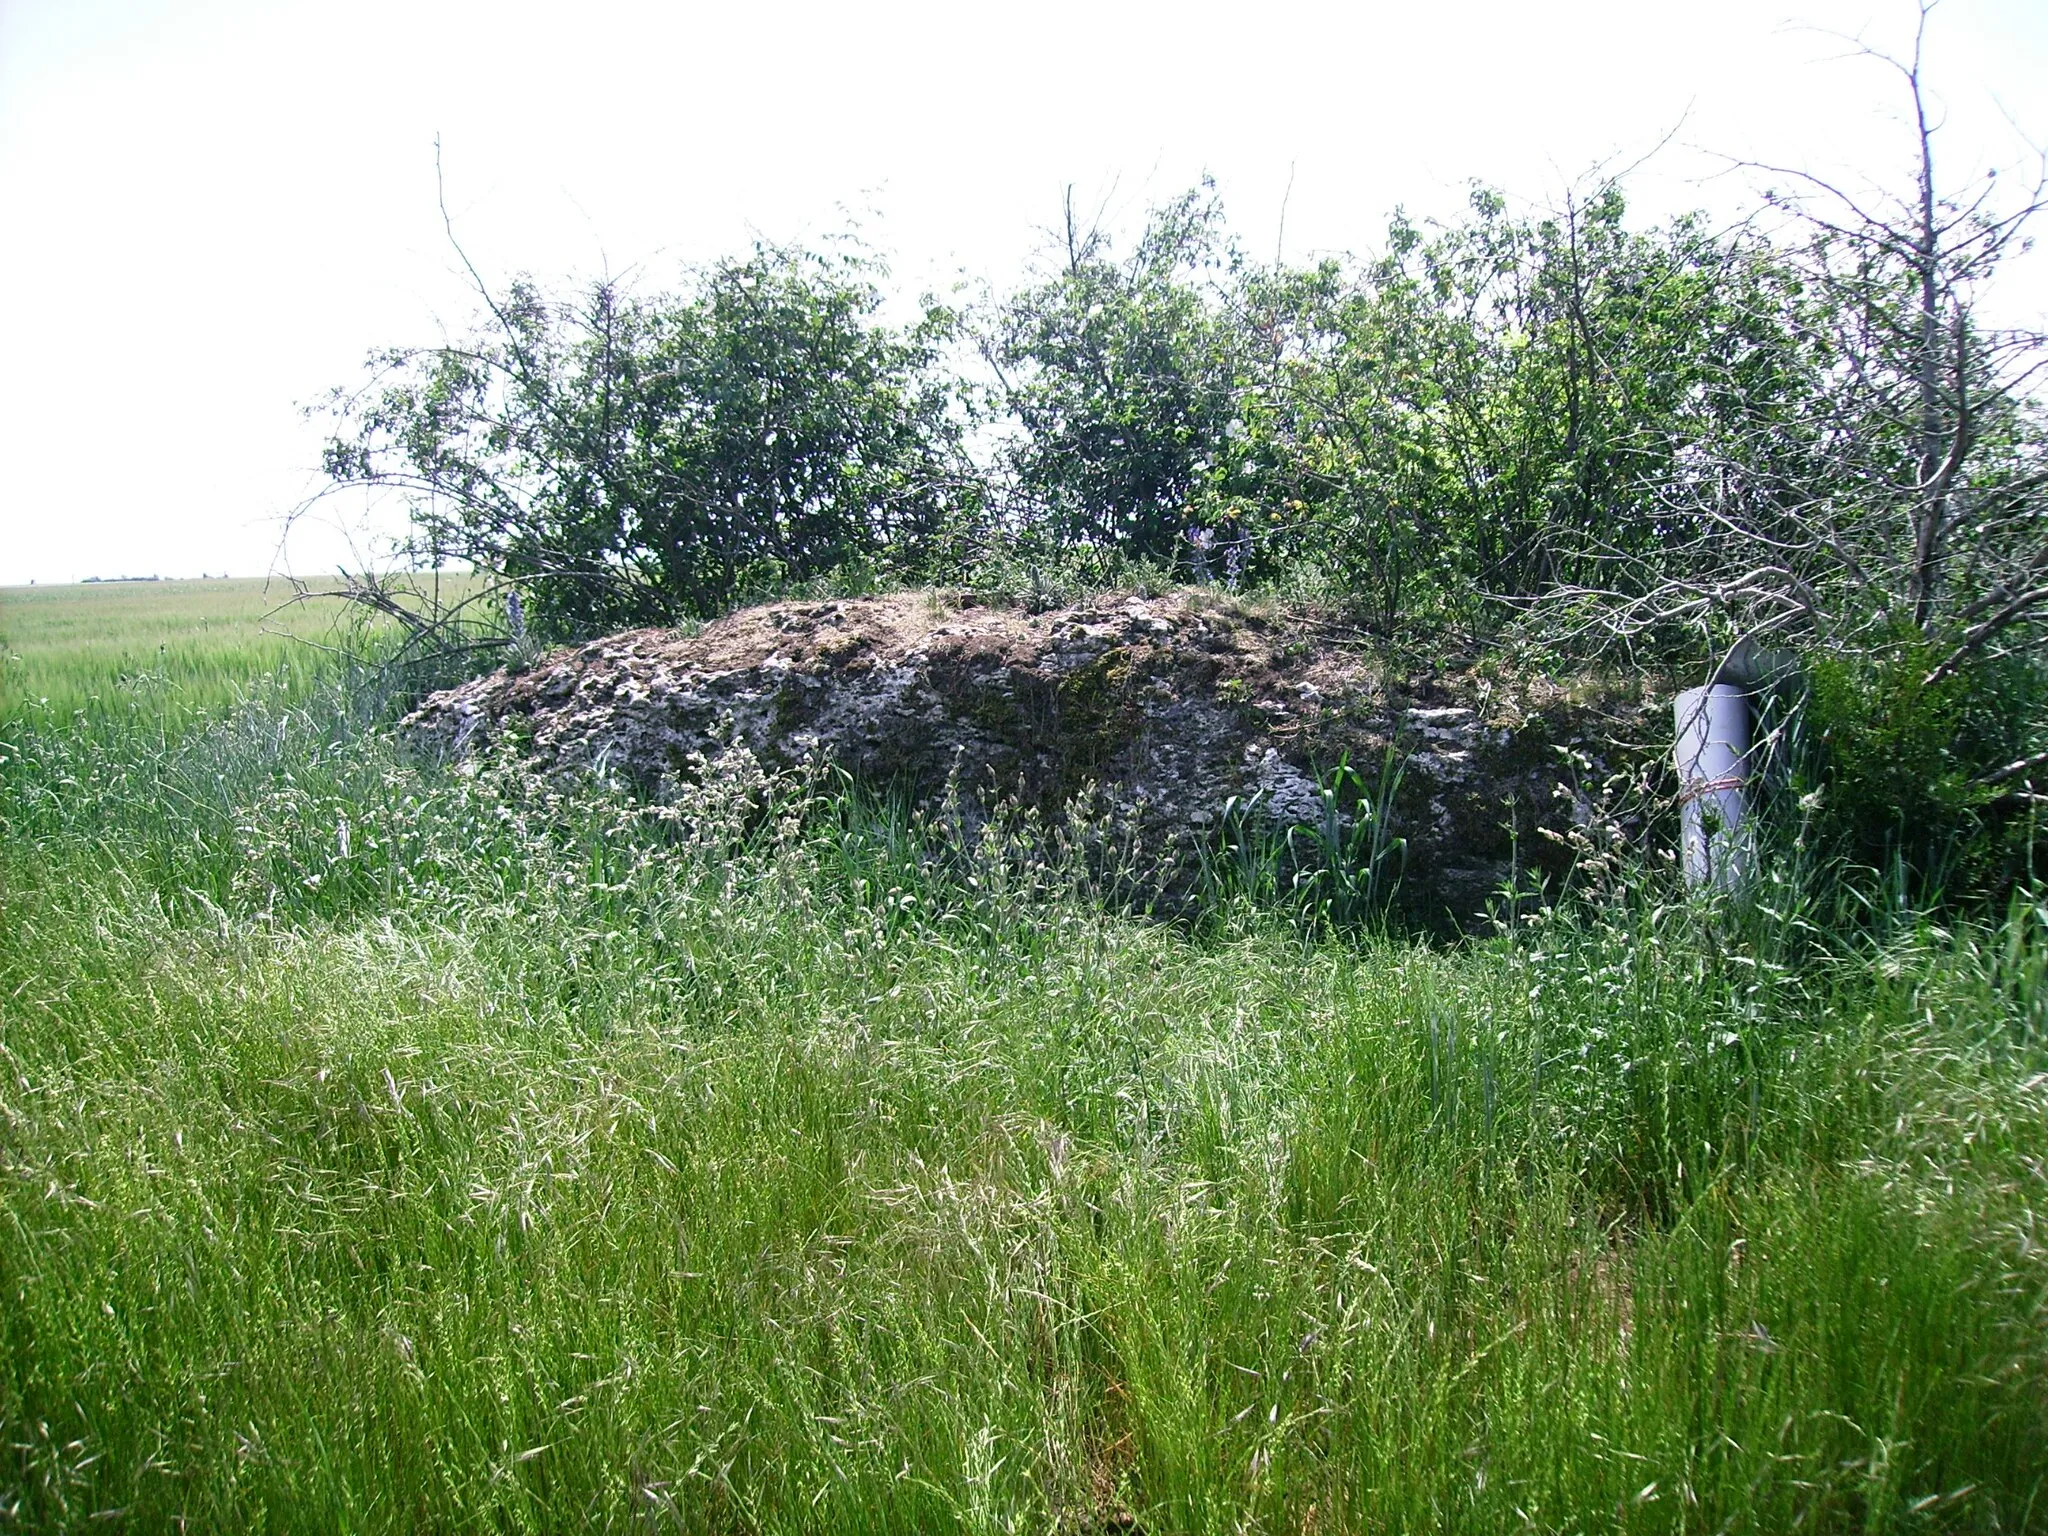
(1169, 711)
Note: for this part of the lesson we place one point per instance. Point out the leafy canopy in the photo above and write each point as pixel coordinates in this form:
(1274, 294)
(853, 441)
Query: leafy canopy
(636, 459)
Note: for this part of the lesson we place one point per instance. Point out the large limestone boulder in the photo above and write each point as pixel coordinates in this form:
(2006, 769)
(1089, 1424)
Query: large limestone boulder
(1170, 712)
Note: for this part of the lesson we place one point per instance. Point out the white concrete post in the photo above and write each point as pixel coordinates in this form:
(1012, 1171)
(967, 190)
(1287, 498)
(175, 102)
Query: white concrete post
(1712, 753)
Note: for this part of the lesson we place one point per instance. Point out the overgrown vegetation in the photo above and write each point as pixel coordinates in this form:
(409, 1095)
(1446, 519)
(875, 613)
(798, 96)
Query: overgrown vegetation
(392, 1147)
(1544, 429)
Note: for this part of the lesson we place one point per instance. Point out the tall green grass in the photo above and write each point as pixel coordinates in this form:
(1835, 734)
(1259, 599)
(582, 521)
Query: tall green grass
(385, 1147)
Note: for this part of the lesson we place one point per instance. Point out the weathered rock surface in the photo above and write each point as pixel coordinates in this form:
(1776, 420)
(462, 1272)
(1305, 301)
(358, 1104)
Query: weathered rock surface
(1166, 708)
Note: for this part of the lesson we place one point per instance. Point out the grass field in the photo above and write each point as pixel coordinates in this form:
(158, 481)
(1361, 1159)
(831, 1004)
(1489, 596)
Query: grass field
(187, 644)
(385, 1148)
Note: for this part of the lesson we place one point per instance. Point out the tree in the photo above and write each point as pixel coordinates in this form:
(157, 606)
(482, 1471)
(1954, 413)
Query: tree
(635, 459)
(1445, 427)
(1120, 378)
(1863, 477)
(1865, 471)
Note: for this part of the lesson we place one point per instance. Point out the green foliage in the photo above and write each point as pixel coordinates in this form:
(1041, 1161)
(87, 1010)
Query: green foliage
(1489, 410)
(1119, 376)
(1337, 873)
(635, 459)
(1667, 437)
(1555, 365)
(1902, 769)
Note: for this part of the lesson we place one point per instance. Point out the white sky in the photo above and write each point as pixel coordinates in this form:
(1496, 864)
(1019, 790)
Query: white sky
(209, 212)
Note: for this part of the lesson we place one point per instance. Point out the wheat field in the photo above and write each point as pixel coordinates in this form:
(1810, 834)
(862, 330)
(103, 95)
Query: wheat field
(185, 645)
